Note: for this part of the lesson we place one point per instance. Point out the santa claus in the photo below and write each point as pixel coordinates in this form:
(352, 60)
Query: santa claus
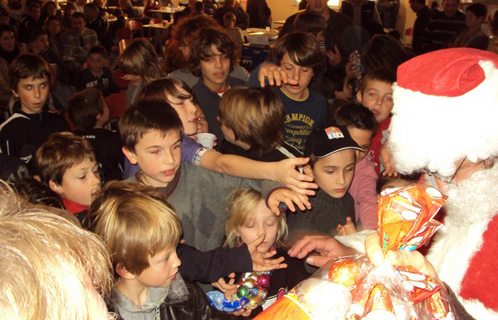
(445, 123)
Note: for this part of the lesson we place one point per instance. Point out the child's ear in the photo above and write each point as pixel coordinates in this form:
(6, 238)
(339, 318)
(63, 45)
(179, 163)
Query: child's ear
(123, 272)
(130, 155)
(16, 95)
(359, 97)
(55, 187)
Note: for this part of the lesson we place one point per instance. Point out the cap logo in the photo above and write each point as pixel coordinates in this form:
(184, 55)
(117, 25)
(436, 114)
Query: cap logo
(334, 133)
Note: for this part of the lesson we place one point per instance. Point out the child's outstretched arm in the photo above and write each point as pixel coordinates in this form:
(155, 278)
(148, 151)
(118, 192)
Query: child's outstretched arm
(211, 265)
(282, 171)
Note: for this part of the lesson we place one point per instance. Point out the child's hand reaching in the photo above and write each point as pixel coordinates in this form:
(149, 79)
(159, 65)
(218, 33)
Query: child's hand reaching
(262, 261)
(348, 228)
(289, 198)
(387, 160)
(286, 173)
(229, 289)
(276, 75)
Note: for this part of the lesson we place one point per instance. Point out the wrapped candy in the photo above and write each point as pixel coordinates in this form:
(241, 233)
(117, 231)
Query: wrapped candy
(405, 216)
(379, 304)
(350, 288)
(252, 291)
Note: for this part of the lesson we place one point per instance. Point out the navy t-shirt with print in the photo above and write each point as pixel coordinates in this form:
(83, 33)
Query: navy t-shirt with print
(301, 117)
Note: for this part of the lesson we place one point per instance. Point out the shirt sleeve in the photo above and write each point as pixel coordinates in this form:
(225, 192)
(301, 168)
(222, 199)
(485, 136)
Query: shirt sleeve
(190, 148)
(212, 265)
(366, 197)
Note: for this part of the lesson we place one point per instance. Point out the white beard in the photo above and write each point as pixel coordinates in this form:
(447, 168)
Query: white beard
(474, 199)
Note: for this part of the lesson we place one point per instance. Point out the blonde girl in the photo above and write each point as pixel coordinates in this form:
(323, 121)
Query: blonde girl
(250, 219)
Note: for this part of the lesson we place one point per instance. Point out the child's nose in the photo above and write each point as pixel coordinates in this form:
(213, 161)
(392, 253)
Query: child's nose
(379, 100)
(217, 62)
(177, 261)
(96, 179)
(296, 75)
(169, 158)
(340, 178)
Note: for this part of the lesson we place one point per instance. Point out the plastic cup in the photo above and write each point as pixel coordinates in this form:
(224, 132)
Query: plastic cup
(206, 139)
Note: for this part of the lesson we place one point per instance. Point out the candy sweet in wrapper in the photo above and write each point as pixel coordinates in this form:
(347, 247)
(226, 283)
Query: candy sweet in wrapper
(352, 288)
(345, 272)
(379, 305)
(419, 285)
(438, 306)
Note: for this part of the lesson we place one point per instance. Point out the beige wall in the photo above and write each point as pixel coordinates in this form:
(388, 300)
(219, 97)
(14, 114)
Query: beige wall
(281, 9)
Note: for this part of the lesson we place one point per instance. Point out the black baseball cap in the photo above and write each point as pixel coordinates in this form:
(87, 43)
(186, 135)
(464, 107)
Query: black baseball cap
(328, 139)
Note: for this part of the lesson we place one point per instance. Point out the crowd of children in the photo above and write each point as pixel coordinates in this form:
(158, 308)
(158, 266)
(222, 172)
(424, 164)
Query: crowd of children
(173, 213)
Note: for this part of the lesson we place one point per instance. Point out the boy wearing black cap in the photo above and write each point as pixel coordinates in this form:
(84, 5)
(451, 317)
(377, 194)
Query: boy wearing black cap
(332, 154)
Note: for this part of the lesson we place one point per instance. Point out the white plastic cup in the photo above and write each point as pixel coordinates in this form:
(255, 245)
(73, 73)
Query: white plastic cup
(206, 139)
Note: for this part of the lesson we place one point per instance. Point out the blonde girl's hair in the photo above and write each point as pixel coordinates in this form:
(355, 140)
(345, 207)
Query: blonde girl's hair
(241, 205)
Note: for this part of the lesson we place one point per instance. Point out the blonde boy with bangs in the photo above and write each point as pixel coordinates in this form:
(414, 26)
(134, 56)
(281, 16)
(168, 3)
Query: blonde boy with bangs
(67, 164)
(142, 232)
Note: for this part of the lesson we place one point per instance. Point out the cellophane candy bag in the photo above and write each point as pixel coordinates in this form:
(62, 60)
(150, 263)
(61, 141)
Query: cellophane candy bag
(252, 291)
(351, 287)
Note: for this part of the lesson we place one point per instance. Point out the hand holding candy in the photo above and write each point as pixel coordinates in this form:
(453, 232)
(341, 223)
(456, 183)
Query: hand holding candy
(251, 292)
(401, 258)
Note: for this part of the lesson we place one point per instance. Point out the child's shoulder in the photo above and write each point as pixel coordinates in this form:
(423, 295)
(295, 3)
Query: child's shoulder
(14, 120)
(316, 97)
(101, 135)
(235, 82)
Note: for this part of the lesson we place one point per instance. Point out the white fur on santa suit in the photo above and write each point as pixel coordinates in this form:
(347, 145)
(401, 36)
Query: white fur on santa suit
(433, 132)
(470, 207)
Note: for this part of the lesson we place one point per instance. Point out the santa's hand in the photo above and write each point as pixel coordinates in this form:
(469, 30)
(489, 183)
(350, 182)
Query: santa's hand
(262, 261)
(403, 258)
(326, 246)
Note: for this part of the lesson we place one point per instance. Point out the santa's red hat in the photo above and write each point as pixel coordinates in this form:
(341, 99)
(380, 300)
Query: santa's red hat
(445, 109)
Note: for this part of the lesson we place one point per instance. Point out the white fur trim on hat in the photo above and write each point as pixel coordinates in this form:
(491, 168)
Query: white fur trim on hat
(433, 132)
